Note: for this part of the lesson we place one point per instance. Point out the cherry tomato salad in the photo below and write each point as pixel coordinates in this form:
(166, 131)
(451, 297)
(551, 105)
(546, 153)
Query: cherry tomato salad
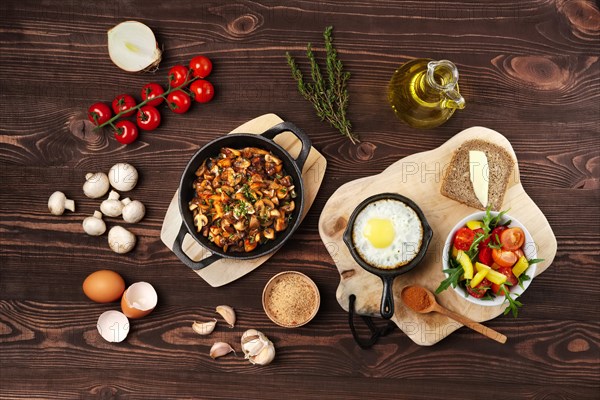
(487, 259)
(126, 116)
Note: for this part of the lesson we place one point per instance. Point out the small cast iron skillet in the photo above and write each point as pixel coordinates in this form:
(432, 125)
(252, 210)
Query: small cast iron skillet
(239, 141)
(388, 275)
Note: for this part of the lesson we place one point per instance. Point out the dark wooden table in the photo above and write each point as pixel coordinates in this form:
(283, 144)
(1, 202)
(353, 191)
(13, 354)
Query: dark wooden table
(529, 70)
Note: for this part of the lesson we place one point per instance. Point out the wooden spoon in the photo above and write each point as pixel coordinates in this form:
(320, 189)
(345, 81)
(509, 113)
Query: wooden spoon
(423, 301)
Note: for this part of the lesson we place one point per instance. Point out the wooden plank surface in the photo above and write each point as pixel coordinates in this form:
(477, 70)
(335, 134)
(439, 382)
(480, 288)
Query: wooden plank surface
(529, 70)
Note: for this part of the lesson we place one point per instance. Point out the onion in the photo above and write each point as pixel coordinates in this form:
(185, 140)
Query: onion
(132, 47)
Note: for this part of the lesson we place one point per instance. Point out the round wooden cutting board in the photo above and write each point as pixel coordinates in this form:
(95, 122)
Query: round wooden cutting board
(419, 177)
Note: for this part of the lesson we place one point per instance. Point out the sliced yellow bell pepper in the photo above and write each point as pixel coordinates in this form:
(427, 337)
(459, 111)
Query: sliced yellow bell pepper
(472, 225)
(521, 266)
(495, 277)
(481, 267)
(454, 252)
(479, 277)
(464, 260)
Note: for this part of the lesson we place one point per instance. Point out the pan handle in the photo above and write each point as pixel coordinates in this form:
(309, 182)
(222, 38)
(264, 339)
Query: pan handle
(288, 126)
(195, 265)
(387, 297)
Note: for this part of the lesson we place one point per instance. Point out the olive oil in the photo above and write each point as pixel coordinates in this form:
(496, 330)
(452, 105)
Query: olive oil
(424, 93)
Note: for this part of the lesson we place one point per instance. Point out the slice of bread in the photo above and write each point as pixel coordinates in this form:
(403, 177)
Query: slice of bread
(457, 185)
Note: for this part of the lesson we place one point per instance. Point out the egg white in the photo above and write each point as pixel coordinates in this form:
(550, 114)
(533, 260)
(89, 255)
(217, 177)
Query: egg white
(407, 229)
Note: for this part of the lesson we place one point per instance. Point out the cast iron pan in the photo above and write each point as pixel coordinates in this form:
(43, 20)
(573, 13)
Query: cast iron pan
(239, 141)
(388, 275)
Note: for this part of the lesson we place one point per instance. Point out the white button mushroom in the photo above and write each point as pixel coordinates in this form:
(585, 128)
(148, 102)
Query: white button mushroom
(123, 177)
(133, 211)
(121, 240)
(94, 226)
(58, 203)
(112, 207)
(96, 185)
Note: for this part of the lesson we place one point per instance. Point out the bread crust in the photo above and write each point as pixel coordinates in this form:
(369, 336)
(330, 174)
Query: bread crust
(456, 183)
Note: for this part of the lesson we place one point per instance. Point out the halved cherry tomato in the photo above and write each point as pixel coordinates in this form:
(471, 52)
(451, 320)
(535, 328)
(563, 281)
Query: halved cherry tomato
(126, 132)
(511, 279)
(479, 290)
(203, 91)
(519, 253)
(152, 90)
(148, 118)
(201, 66)
(99, 113)
(463, 239)
(485, 256)
(178, 75)
(179, 102)
(123, 102)
(504, 258)
(512, 239)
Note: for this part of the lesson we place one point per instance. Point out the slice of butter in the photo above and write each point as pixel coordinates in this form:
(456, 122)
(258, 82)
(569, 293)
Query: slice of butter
(479, 172)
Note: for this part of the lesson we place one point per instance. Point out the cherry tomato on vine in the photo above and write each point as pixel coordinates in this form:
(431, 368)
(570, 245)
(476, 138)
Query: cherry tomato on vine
(201, 66)
(150, 91)
(179, 102)
(463, 239)
(203, 91)
(126, 132)
(99, 113)
(148, 118)
(123, 102)
(178, 75)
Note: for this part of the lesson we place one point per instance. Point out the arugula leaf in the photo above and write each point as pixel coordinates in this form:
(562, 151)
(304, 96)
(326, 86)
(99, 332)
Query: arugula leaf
(489, 221)
(495, 243)
(523, 278)
(513, 304)
(454, 275)
(535, 261)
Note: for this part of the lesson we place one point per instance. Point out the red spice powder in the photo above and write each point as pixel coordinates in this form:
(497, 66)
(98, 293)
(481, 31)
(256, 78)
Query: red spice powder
(416, 298)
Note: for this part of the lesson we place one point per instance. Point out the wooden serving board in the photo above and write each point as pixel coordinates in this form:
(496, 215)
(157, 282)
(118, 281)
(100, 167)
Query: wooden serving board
(225, 271)
(419, 177)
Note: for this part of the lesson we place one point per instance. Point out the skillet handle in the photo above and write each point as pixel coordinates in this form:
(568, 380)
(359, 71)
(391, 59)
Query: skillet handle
(288, 126)
(195, 265)
(387, 297)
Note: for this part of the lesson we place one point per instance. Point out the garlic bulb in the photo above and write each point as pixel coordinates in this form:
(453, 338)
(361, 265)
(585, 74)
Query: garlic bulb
(257, 348)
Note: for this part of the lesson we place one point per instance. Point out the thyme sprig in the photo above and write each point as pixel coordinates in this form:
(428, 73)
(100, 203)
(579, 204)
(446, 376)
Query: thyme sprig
(328, 97)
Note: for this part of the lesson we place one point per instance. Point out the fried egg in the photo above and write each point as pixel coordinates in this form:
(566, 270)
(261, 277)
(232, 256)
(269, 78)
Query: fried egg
(387, 234)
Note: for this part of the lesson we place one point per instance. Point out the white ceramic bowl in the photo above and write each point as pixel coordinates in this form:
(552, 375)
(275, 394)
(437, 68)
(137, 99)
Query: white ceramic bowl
(529, 248)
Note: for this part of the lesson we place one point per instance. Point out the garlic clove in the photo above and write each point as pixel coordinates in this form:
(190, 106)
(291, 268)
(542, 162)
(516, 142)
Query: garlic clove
(253, 342)
(265, 357)
(204, 328)
(228, 314)
(220, 349)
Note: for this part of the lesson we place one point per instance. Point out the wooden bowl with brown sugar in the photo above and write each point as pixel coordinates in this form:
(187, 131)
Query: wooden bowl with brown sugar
(291, 299)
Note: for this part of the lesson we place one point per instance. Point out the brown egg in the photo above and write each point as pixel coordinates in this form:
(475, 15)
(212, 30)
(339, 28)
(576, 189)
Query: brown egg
(104, 286)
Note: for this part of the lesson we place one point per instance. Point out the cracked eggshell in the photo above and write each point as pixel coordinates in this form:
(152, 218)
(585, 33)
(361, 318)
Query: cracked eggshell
(123, 177)
(139, 300)
(113, 326)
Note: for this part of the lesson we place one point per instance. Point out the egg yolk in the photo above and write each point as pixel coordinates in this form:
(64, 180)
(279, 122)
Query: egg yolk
(380, 232)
